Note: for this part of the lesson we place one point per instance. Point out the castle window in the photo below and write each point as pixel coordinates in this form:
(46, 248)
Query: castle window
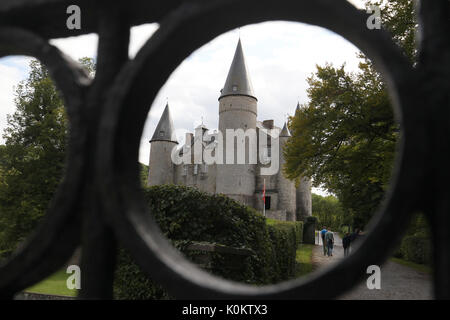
(195, 168)
(185, 170)
(267, 204)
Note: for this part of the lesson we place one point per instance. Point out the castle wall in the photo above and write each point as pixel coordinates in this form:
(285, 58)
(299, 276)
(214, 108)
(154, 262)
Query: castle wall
(277, 215)
(203, 178)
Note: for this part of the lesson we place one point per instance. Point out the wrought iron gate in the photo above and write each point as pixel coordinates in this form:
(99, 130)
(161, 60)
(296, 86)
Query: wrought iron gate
(99, 203)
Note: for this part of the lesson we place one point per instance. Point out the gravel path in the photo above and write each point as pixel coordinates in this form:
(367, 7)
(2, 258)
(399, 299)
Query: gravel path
(398, 282)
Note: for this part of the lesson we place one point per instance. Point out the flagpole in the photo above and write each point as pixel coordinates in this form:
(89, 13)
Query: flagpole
(264, 198)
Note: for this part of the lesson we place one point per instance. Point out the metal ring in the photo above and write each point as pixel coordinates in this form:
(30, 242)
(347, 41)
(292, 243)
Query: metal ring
(57, 236)
(187, 29)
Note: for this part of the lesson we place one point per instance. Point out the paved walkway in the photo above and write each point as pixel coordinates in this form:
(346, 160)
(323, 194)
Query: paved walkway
(398, 282)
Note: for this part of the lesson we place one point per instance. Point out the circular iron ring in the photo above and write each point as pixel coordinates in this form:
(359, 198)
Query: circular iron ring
(181, 33)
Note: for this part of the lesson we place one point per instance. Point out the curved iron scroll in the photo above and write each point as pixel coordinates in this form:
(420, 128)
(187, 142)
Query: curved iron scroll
(107, 117)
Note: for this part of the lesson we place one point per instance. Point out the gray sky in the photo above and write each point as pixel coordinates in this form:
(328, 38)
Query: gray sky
(280, 56)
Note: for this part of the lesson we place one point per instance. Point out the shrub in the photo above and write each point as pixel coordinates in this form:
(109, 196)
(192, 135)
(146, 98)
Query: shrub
(416, 248)
(187, 215)
(285, 238)
(416, 244)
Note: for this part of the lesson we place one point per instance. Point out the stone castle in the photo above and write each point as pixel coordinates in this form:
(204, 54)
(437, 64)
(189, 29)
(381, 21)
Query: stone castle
(242, 181)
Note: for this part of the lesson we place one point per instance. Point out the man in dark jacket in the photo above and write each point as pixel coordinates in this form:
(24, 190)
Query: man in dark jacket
(346, 243)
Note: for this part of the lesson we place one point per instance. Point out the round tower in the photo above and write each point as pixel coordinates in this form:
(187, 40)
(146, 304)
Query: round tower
(237, 110)
(161, 167)
(286, 187)
(304, 201)
(303, 193)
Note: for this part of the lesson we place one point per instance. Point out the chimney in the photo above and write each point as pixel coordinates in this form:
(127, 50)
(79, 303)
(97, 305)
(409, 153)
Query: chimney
(268, 124)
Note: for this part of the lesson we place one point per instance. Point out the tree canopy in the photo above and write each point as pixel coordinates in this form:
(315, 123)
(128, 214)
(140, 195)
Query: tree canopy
(32, 159)
(345, 137)
(329, 212)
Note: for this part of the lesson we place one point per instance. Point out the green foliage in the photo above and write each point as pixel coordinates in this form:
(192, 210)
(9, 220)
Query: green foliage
(186, 215)
(304, 259)
(329, 212)
(345, 136)
(398, 17)
(416, 244)
(416, 248)
(131, 283)
(32, 159)
(143, 174)
(285, 238)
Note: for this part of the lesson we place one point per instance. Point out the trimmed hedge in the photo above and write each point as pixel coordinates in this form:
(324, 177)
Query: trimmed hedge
(416, 244)
(186, 214)
(285, 238)
(416, 248)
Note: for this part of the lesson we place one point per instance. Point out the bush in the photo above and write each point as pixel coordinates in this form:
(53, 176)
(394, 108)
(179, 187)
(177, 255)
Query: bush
(416, 244)
(416, 248)
(186, 215)
(285, 238)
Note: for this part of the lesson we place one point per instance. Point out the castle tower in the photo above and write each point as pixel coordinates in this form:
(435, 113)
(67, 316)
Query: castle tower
(161, 167)
(237, 110)
(286, 187)
(303, 193)
(303, 198)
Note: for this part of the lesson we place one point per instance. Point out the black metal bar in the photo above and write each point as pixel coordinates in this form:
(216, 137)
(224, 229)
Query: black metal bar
(434, 66)
(107, 117)
(99, 243)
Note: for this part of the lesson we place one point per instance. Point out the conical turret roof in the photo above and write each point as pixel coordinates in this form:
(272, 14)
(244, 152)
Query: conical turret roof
(238, 80)
(298, 107)
(285, 131)
(164, 130)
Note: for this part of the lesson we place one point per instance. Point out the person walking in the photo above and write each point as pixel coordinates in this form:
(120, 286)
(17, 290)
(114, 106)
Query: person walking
(346, 244)
(329, 239)
(324, 244)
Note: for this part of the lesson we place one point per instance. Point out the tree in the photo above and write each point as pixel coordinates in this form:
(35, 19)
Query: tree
(32, 159)
(329, 212)
(345, 136)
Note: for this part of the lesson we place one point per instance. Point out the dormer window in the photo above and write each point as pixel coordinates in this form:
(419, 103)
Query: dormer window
(161, 133)
(235, 88)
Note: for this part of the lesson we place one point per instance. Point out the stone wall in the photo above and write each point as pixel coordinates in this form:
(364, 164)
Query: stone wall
(277, 215)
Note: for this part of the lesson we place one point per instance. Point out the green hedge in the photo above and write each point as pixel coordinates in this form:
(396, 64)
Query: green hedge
(185, 214)
(416, 244)
(416, 248)
(285, 238)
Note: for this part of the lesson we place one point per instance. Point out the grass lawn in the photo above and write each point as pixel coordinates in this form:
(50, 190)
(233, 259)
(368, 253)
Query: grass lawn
(415, 266)
(55, 284)
(303, 258)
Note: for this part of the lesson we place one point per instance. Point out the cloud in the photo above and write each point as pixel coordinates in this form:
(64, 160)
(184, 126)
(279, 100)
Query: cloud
(12, 71)
(280, 56)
